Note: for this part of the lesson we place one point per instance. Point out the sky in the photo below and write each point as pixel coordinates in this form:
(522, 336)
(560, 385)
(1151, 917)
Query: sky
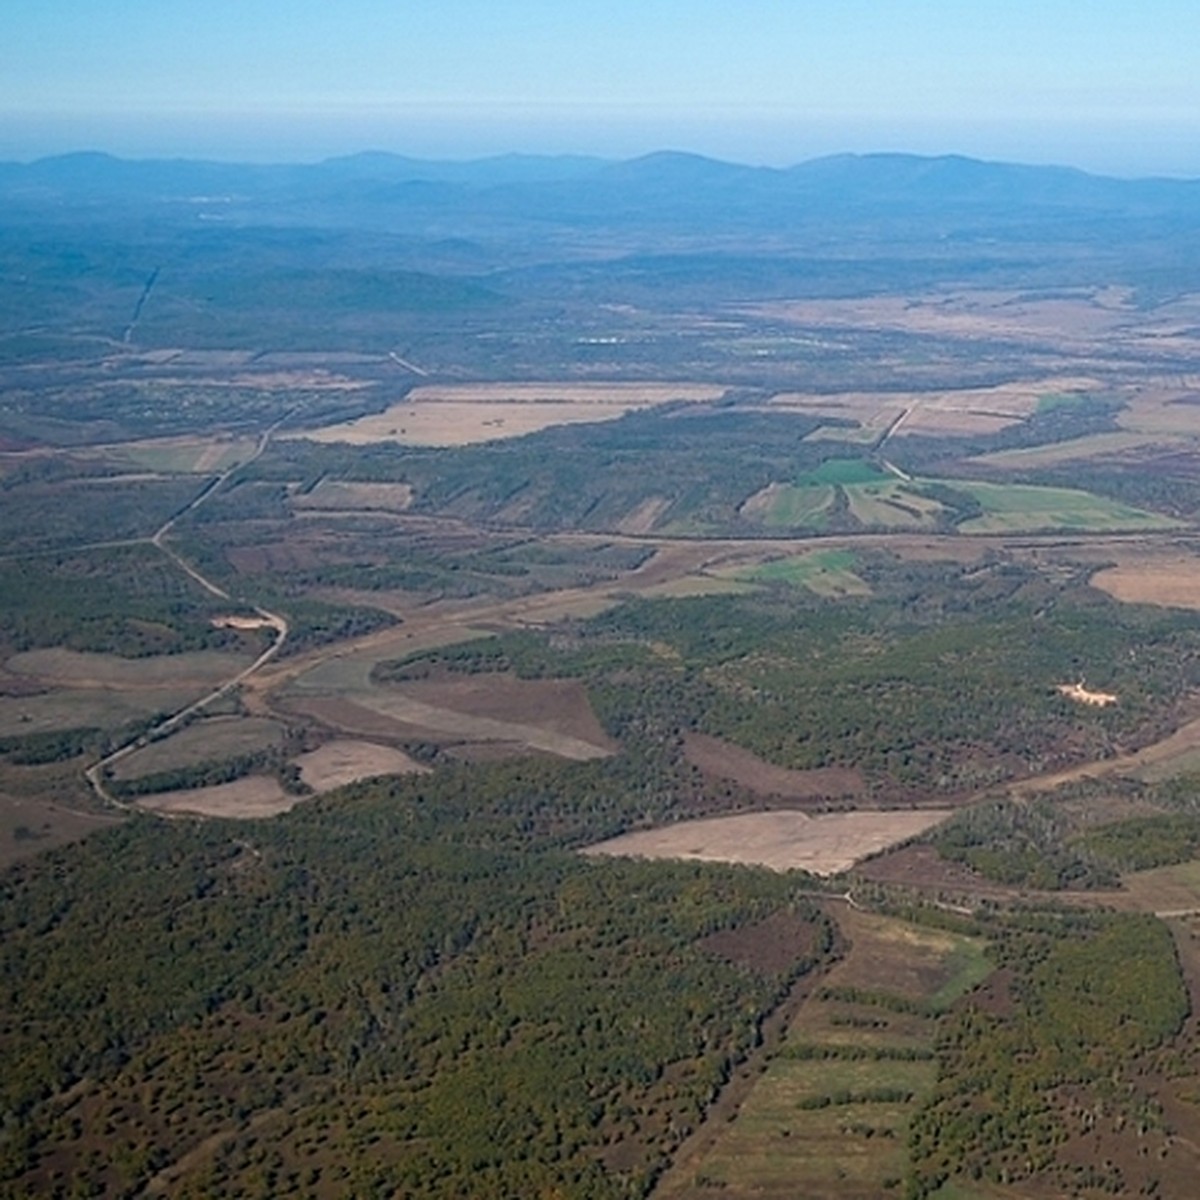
(1104, 85)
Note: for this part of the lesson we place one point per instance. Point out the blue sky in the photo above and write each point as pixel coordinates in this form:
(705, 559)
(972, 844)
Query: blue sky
(1099, 84)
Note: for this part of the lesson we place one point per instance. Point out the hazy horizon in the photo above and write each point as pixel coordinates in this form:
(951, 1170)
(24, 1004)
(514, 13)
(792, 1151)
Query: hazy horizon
(263, 141)
(1098, 87)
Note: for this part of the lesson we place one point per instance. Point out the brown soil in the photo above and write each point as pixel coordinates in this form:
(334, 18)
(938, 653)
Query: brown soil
(345, 761)
(727, 761)
(560, 705)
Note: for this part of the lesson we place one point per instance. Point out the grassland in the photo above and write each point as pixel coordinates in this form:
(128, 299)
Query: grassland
(871, 500)
(1020, 509)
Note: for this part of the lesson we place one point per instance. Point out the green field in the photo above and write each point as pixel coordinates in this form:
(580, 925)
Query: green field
(1018, 508)
(824, 572)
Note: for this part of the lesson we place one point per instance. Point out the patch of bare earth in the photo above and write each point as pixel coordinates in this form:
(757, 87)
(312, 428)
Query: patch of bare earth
(824, 844)
(243, 799)
(727, 761)
(344, 761)
(1169, 580)
(460, 414)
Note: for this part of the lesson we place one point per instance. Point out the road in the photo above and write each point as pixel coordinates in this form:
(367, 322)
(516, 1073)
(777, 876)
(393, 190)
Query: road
(97, 772)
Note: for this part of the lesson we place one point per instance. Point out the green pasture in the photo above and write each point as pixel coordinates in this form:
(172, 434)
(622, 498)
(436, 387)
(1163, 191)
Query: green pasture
(1021, 508)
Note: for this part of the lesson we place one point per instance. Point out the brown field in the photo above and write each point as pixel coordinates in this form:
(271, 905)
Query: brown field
(1169, 412)
(544, 714)
(245, 799)
(1170, 579)
(727, 761)
(934, 413)
(461, 414)
(695, 585)
(340, 762)
(72, 668)
(1165, 890)
(549, 715)
(330, 766)
(824, 844)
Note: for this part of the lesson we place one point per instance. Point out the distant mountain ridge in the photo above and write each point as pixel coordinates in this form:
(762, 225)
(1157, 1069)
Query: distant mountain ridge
(667, 190)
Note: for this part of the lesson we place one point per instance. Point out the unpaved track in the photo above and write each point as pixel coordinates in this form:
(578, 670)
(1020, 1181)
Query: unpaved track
(95, 774)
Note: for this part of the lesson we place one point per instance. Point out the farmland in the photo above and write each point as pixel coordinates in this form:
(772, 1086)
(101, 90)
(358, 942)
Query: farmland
(602, 706)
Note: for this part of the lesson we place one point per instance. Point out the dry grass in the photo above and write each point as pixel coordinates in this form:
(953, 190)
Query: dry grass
(247, 799)
(1171, 580)
(826, 844)
(458, 415)
(344, 761)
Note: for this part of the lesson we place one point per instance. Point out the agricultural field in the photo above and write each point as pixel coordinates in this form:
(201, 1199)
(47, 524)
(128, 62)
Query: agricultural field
(460, 415)
(821, 844)
(829, 1117)
(705, 715)
(1019, 509)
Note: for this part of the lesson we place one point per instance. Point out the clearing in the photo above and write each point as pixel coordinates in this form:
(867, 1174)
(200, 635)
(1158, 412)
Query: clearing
(461, 414)
(333, 765)
(823, 844)
(1171, 580)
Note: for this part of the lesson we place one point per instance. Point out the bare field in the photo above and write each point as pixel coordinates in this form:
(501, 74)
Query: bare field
(461, 414)
(824, 844)
(1171, 580)
(72, 668)
(344, 761)
(727, 761)
(1095, 445)
(246, 799)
